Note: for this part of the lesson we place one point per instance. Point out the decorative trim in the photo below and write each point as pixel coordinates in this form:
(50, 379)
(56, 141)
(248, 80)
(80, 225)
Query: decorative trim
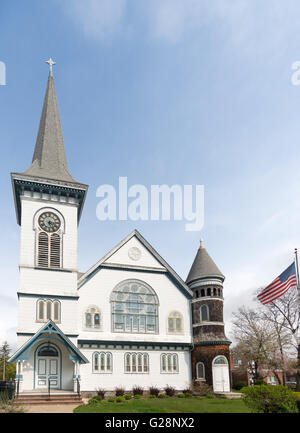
(133, 268)
(38, 295)
(133, 345)
(30, 334)
(200, 283)
(212, 343)
(208, 323)
(21, 182)
(207, 298)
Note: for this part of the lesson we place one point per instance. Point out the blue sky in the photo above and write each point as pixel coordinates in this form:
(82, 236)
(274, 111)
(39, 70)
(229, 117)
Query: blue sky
(163, 92)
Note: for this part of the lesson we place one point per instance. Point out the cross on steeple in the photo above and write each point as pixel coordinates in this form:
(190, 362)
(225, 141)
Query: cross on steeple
(50, 63)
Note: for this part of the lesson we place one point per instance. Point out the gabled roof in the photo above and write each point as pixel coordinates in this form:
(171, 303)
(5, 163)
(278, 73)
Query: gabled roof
(135, 233)
(49, 328)
(203, 267)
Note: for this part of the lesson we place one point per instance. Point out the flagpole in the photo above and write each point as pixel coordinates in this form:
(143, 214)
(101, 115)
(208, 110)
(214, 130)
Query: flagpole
(297, 271)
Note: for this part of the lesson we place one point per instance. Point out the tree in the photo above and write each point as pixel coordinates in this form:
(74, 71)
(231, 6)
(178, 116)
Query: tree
(4, 355)
(284, 315)
(256, 339)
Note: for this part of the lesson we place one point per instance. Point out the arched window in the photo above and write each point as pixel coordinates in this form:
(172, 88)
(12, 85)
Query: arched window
(40, 315)
(48, 310)
(202, 293)
(175, 323)
(208, 292)
(169, 363)
(92, 318)
(102, 362)
(200, 371)
(136, 363)
(56, 311)
(204, 313)
(49, 230)
(134, 308)
(48, 351)
(220, 360)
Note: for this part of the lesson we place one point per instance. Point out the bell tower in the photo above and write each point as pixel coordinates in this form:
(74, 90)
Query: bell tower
(48, 203)
(211, 346)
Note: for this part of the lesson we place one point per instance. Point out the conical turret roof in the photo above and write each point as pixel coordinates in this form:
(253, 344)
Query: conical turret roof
(203, 267)
(49, 158)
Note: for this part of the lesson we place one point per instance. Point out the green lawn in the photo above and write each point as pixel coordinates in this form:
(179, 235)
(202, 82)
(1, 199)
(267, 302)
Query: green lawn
(167, 405)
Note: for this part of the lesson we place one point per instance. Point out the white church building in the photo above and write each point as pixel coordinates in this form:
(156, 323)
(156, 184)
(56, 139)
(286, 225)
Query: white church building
(128, 320)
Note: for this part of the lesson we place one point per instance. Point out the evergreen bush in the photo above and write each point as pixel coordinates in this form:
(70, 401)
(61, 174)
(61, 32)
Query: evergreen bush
(240, 385)
(270, 399)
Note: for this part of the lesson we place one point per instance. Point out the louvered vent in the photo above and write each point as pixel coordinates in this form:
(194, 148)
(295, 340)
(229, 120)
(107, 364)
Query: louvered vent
(43, 250)
(55, 251)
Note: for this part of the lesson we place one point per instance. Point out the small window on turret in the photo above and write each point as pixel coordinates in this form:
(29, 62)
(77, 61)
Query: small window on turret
(204, 313)
(209, 291)
(202, 293)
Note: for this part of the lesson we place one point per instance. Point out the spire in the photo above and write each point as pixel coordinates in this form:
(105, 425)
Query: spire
(49, 158)
(203, 266)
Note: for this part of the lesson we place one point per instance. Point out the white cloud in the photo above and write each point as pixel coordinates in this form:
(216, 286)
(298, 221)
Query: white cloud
(99, 19)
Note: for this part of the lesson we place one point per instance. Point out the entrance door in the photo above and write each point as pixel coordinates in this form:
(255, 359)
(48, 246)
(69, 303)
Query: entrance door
(221, 375)
(47, 368)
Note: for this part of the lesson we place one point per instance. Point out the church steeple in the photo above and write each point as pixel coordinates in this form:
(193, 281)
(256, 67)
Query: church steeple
(48, 176)
(49, 158)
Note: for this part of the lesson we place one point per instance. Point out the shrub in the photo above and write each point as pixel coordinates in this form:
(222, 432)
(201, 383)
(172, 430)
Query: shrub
(259, 382)
(137, 396)
(169, 390)
(223, 396)
(188, 395)
(162, 396)
(120, 399)
(152, 396)
(111, 400)
(180, 395)
(127, 396)
(202, 389)
(240, 385)
(270, 399)
(95, 400)
(153, 390)
(137, 390)
(119, 391)
(100, 392)
(210, 396)
(187, 391)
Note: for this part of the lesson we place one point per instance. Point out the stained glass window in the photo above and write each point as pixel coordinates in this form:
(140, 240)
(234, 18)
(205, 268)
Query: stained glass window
(134, 308)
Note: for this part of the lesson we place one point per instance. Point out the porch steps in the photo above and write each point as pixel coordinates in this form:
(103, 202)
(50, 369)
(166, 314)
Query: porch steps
(34, 398)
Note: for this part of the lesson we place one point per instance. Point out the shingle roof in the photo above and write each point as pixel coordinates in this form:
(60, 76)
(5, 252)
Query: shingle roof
(49, 158)
(203, 266)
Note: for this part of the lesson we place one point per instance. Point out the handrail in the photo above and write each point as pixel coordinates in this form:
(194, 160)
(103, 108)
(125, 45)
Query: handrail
(78, 387)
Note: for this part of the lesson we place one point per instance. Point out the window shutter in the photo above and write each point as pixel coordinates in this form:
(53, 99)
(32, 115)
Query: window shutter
(55, 251)
(43, 250)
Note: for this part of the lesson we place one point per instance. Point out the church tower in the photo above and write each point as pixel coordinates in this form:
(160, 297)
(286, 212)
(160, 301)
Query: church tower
(210, 355)
(48, 203)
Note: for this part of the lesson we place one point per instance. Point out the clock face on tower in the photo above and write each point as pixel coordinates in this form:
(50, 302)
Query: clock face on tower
(49, 222)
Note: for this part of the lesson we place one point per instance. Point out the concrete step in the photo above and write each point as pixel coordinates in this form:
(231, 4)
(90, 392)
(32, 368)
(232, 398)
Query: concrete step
(48, 402)
(28, 399)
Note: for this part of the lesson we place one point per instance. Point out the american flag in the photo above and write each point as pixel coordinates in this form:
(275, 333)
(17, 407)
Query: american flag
(279, 286)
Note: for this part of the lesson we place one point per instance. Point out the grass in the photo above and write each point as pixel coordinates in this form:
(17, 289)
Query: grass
(167, 405)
